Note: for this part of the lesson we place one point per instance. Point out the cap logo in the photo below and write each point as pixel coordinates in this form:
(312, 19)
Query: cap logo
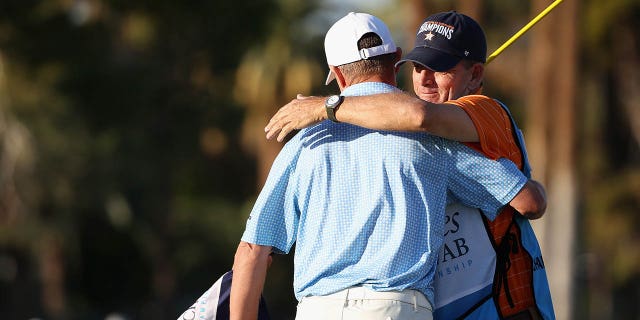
(429, 36)
(437, 27)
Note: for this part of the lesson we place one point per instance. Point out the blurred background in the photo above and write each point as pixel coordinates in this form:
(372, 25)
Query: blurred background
(132, 144)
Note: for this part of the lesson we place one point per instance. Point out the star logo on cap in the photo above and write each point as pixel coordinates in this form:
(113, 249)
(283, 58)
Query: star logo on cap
(428, 36)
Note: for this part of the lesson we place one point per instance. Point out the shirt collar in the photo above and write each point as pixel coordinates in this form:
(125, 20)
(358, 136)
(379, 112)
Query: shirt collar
(366, 88)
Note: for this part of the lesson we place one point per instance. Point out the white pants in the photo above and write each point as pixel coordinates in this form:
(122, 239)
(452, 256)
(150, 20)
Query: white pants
(360, 303)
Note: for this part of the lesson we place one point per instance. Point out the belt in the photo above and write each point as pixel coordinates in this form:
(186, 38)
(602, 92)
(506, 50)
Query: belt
(414, 297)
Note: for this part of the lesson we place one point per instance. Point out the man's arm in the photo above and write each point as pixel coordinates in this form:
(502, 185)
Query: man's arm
(389, 111)
(249, 274)
(531, 201)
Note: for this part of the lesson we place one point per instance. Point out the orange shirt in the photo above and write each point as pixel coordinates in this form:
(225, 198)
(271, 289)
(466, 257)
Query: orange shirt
(493, 126)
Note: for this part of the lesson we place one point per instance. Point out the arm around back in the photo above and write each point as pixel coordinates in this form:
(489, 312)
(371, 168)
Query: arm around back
(531, 201)
(396, 111)
(399, 111)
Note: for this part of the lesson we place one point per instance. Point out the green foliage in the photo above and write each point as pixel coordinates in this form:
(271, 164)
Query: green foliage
(116, 97)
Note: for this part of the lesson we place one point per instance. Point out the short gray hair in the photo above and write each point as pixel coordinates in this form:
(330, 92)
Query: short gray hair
(372, 65)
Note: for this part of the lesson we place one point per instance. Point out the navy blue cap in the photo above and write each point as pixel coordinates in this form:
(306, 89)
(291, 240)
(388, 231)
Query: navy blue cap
(444, 39)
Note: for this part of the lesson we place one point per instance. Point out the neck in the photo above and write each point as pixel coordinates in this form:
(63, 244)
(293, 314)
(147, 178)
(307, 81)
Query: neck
(390, 80)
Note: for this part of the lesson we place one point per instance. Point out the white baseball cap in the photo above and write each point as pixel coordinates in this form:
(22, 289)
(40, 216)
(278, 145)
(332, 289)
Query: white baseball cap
(341, 41)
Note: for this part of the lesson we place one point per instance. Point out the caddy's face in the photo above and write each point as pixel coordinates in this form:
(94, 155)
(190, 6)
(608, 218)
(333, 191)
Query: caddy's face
(438, 87)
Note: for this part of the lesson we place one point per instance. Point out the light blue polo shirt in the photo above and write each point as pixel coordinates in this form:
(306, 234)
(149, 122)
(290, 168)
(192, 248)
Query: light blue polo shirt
(366, 207)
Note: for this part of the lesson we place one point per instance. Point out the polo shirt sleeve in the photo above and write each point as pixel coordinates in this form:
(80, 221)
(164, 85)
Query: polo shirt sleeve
(479, 182)
(274, 219)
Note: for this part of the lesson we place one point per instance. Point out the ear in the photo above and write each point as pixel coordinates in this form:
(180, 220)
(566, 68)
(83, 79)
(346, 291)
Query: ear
(477, 75)
(342, 83)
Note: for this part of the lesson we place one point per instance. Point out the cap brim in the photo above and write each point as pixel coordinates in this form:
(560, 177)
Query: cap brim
(433, 59)
(330, 77)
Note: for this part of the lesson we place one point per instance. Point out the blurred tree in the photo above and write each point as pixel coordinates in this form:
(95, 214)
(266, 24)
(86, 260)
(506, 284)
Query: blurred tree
(134, 130)
(16, 178)
(610, 149)
(272, 74)
(551, 140)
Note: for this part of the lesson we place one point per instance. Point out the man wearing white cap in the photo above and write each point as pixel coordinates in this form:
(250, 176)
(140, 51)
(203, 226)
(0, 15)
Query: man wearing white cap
(365, 208)
(487, 269)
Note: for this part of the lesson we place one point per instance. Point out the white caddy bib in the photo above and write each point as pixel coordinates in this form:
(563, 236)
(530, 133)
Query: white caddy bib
(467, 260)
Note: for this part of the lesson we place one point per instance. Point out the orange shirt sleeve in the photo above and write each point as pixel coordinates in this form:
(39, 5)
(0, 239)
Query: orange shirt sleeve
(493, 126)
